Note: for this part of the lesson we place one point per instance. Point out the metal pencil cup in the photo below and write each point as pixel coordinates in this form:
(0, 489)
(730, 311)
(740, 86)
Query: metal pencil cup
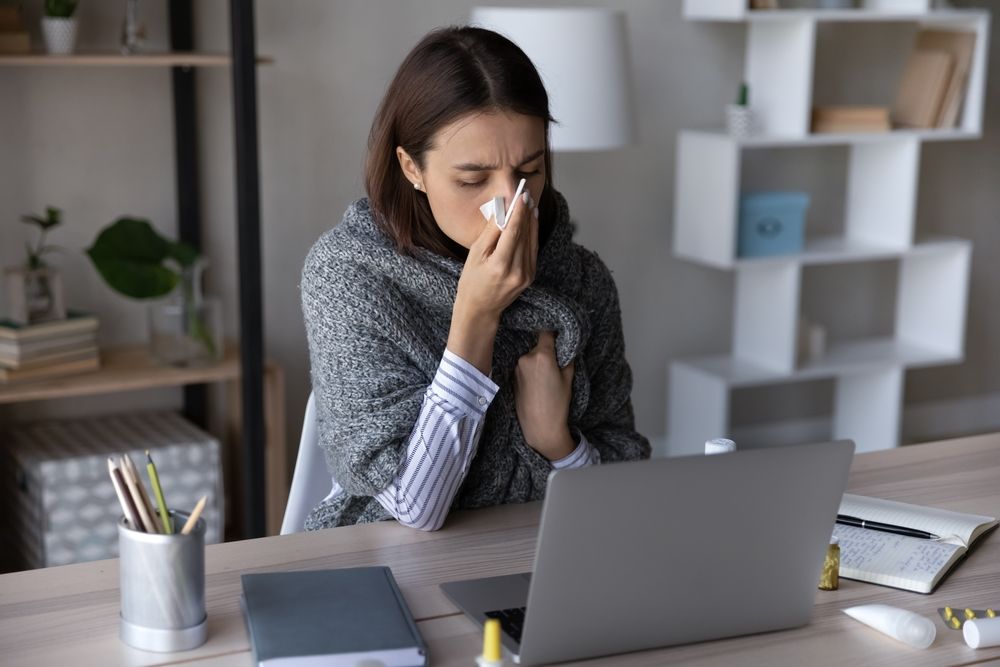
(163, 587)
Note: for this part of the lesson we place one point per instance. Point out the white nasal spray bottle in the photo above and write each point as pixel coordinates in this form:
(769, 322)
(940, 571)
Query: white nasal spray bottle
(910, 628)
(495, 208)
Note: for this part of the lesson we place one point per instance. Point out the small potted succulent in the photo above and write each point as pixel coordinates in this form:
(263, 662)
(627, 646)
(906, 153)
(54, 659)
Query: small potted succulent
(59, 26)
(34, 290)
(739, 116)
(134, 260)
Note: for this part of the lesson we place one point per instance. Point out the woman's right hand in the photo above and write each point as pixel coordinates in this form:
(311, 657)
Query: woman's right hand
(500, 265)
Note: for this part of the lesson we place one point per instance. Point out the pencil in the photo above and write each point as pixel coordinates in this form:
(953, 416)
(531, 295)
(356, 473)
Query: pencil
(133, 491)
(193, 519)
(133, 472)
(154, 481)
(131, 514)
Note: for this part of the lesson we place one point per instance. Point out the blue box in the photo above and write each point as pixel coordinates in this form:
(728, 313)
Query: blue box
(772, 223)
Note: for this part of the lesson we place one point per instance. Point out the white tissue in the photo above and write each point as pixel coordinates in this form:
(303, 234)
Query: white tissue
(494, 209)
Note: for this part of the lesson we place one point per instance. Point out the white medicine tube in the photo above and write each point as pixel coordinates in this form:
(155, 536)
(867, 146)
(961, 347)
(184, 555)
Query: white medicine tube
(910, 628)
(719, 446)
(982, 632)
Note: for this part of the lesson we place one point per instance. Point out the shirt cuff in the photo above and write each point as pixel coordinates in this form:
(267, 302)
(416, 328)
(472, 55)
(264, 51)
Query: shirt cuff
(581, 457)
(463, 386)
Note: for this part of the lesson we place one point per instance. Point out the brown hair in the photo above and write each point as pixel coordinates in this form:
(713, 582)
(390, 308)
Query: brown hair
(452, 72)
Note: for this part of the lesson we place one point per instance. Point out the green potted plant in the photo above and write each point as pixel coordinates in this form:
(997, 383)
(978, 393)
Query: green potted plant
(59, 26)
(136, 261)
(34, 290)
(739, 116)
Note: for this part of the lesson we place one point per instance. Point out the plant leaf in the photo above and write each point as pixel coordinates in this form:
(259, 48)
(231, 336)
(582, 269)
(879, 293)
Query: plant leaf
(129, 256)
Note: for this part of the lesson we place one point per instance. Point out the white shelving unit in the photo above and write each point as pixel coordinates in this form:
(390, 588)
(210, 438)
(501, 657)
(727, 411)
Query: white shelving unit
(879, 209)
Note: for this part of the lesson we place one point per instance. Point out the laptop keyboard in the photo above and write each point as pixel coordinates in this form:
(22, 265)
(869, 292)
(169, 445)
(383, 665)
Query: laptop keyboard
(511, 621)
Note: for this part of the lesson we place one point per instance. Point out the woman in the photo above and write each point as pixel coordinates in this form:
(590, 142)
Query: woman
(455, 364)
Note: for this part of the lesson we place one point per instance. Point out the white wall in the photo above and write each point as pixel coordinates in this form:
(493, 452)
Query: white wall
(98, 143)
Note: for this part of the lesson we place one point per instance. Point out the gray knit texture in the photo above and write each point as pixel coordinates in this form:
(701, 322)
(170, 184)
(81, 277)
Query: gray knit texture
(377, 323)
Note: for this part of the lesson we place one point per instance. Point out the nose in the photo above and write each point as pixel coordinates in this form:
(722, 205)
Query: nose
(509, 188)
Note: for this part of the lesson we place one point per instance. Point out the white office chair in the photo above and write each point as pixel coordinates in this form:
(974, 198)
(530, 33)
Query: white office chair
(310, 481)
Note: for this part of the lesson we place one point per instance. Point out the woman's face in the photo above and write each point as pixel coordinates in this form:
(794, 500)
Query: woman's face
(474, 159)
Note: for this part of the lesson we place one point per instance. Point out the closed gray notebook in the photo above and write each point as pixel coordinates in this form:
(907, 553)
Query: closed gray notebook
(330, 617)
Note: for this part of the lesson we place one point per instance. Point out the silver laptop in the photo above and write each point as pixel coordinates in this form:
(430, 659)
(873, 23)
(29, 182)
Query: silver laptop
(645, 554)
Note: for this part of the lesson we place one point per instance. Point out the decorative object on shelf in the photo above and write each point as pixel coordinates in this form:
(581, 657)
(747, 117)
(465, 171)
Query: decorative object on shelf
(133, 31)
(850, 119)
(34, 290)
(739, 116)
(763, 4)
(134, 260)
(31, 352)
(59, 26)
(772, 223)
(14, 39)
(935, 79)
(811, 342)
(65, 504)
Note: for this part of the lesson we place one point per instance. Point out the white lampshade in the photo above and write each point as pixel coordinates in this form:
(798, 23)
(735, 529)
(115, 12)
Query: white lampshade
(582, 57)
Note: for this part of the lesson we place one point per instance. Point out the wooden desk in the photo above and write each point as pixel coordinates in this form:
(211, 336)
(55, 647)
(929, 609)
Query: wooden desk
(69, 615)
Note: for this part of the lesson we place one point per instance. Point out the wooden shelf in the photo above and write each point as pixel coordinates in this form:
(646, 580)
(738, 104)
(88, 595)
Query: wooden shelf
(130, 368)
(124, 368)
(193, 59)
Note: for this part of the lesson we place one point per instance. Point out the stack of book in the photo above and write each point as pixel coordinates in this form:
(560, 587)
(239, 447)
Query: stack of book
(933, 85)
(48, 349)
(850, 119)
(14, 39)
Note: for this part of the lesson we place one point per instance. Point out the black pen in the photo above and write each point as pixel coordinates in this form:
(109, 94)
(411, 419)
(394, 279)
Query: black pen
(885, 527)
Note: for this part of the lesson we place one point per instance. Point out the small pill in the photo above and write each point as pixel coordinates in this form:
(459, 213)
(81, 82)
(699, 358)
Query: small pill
(969, 614)
(990, 613)
(948, 613)
(955, 623)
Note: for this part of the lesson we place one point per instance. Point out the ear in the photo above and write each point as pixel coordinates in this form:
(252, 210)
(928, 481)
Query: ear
(410, 169)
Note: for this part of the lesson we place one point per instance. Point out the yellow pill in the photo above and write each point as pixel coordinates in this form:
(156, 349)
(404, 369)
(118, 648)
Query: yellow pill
(948, 613)
(969, 614)
(955, 623)
(991, 613)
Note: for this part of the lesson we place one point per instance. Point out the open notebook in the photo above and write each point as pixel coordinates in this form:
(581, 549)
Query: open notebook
(904, 562)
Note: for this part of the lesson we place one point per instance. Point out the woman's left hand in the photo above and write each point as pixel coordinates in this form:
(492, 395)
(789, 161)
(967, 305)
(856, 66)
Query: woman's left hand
(542, 393)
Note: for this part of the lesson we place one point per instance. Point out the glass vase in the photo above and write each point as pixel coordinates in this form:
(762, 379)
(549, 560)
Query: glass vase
(186, 327)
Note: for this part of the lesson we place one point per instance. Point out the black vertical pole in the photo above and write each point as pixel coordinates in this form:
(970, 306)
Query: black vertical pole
(186, 164)
(248, 231)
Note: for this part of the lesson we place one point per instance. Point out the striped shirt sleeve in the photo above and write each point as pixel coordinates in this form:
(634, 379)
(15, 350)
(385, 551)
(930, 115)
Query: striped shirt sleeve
(441, 446)
(584, 455)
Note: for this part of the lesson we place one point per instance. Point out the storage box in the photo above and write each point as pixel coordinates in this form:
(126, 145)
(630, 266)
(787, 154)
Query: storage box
(772, 223)
(59, 501)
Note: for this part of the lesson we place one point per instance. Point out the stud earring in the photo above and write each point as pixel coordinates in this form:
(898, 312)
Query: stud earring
(416, 186)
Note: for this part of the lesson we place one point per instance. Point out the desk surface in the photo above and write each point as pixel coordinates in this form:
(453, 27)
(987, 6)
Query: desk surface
(69, 615)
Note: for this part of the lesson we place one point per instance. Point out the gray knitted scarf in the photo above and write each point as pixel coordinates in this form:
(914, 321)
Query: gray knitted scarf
(377, 324)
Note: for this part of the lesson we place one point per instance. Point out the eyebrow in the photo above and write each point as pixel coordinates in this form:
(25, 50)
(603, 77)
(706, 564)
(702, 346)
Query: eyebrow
(470, 166)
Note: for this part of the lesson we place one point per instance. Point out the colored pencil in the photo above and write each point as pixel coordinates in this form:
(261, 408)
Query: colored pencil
(128, 508)
(193, 519)
(154, 481)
